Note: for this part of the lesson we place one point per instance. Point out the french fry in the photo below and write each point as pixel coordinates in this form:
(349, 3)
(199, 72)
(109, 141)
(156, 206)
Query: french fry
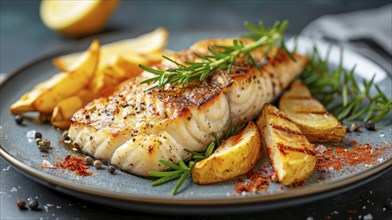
(146, 44)
(107, 78)
(63, 111)
(45, 96)
(96, 73)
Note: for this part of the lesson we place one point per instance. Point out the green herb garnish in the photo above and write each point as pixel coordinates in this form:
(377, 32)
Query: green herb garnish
(344, 95)
(222, 57)
(183, 169)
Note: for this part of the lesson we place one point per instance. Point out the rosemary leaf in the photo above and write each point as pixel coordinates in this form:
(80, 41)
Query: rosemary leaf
(180, 181)
(170, 164)
(339, 90)
(165, 179)
(183, 165)
(210, 149)
(221, 57)
(164, 173)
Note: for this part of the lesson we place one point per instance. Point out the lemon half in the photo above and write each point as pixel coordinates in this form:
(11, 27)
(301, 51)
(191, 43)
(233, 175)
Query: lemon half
(77, 18)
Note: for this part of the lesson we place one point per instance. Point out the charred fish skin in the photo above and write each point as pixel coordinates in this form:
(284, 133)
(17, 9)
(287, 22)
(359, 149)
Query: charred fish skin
(134, 128)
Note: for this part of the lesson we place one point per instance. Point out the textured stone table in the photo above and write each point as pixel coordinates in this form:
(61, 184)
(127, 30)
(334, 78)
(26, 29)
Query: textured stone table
(23, 37)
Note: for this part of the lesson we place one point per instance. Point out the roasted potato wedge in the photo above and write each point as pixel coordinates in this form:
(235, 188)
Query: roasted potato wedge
(310, 115)
(142, 46)
(118, 70)
(45, 96)
(25, 103)
(63, 111)
(237, 155)
(292, 155)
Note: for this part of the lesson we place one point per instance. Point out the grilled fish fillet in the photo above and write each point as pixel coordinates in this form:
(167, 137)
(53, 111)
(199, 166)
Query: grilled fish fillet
(134, 128)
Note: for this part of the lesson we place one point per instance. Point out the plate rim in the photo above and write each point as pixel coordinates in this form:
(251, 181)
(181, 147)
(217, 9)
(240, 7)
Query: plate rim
(299, 192)
(292, 193)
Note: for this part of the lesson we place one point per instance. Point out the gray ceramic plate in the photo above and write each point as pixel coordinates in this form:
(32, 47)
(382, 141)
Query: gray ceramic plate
(127, 191)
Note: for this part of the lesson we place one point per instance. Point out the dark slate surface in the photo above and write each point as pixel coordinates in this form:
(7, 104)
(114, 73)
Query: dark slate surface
(23, 37)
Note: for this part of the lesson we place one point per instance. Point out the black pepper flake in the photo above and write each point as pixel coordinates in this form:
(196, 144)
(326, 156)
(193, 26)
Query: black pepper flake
(33, 204)
(37, 135)
(66, 136)
(356, 127)
(370, 126)
(19, 119)
(38, 140)
(44, 145)
(87, 117)
(111, 169)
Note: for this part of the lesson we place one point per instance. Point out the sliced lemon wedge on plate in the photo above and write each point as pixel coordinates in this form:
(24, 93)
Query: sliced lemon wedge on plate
(76, 18)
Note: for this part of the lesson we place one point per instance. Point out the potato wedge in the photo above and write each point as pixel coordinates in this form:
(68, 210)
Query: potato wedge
(237, 155)
(63, 111)
(310, 115)
(118, 70)
(150, 43)
(45, 96)
(292, 155)
(25, 103)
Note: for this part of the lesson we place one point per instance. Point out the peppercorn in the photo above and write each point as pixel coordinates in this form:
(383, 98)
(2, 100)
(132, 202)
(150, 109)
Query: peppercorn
(37, 140)
(19, 119)
(89, 160)
(97, 164)
(44, 145)
(65, 136)
(33, 204)
(21, 203)
(370, 126)
(111, 169)
(37, 135)
(356, 127)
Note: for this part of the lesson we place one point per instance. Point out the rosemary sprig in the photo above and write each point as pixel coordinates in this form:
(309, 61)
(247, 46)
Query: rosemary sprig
(222, 57)
(342, 93)
(183, 169)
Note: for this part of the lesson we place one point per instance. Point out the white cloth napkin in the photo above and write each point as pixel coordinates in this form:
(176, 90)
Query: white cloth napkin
(368, 32)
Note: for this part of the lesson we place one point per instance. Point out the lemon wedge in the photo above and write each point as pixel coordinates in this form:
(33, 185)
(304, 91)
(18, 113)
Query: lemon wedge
(237, 155)
(76, 18)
